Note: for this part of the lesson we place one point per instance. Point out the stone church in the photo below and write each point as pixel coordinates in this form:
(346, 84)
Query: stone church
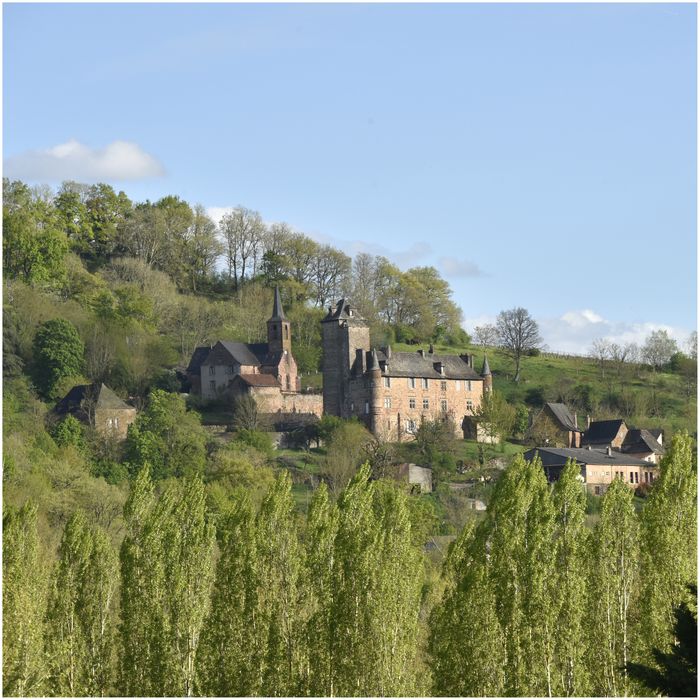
(392, 392)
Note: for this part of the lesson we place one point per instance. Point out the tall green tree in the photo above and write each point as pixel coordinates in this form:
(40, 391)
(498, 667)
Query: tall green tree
(23, 604)
(668, 544)
(614, 583)
(570, 582)
(58, 353)
(466, 644)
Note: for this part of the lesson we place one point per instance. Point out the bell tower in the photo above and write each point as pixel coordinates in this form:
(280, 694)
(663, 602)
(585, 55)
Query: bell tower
(279, 332)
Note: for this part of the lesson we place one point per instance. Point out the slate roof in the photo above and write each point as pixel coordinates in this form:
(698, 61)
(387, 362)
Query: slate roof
(602, 432)
(103, 396)
(557, 456)
(277, 310)
(245, 353)
(343, 310)
(562, 413)
(656, 433)
(485, 369)
(641, 441)
(413, 364)
(258, 379)
(197, 360)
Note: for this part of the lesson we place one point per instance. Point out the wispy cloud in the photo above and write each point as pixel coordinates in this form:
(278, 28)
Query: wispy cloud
(574, 331)
(454, 267)
(119, 160)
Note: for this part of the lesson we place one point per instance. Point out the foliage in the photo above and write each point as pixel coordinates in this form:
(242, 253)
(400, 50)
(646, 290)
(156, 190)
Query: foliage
(58, 354)
(435, 437)
(69, 431)
(262, 442)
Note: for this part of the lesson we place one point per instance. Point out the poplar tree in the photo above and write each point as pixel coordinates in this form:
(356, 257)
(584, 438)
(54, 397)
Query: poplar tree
(66, 644)
(521, 518)
(229, 656)
(570, 582)
(614, 579)
(23, 604)
(322, 528)
(669, 545)
(466, 644)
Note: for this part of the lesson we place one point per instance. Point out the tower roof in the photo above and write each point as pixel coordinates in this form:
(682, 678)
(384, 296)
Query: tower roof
(277, 310)
(485, 369)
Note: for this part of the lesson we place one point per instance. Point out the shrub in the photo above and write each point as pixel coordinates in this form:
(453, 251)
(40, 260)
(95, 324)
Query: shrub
(256, 439)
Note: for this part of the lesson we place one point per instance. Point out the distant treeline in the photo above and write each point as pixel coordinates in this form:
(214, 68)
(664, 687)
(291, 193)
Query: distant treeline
(260, 601)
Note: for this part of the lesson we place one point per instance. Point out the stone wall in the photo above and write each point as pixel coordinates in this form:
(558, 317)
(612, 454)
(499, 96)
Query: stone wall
(114, 421)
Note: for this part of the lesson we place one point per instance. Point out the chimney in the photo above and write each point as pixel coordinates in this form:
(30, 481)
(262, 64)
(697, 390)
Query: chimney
(608, 451)
(431, 349)
(588, 447)
(360, 361)
(575, 420)
(588, 422)
(421, 352)
(387, 352)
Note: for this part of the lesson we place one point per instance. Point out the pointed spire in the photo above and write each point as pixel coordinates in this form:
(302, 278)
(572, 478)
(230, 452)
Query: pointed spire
(373, 360)
(485, 369)
(277, 310)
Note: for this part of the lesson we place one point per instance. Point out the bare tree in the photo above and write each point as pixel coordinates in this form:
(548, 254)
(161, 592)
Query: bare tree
(692, 345)
(243, 234)
(518, 333)
(486, 335)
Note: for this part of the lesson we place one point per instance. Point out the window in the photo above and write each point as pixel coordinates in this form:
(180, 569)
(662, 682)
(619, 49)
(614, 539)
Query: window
(458, 385)
(229, 369)
(274, 332)
(411, 382)
(443, 405)
(597, 490)
(631, 478)
(426, 404)
(352, 407)
(646, 477)
(387, 402)
(411, 403)
(387, 382)
(424, 382)
(212, 370)
(286, 332)
(469, 384)
(443, 385)
(410, 426)
(470, 404)
(212, 385)
(636, 477)
(366, 407)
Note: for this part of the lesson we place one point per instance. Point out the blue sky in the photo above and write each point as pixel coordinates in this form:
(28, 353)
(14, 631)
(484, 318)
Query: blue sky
(538, 155)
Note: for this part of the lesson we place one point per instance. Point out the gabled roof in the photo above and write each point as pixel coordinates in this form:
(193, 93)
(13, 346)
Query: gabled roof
(101, 396)
(197, 360)
(641, 442)
(243, 353)
(343, 310)
(415, 364)
(257, 379)
(563, 415)
(657, 433)
(602, 432)
(557, 456)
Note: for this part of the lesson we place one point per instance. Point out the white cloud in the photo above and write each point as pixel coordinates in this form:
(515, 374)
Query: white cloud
(574, 331)
(454, 267)
(120, 160)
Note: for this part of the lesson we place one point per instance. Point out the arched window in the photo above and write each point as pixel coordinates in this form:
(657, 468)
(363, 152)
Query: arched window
(286, 332)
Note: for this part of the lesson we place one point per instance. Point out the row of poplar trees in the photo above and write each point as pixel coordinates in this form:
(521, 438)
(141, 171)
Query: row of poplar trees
(264, 602)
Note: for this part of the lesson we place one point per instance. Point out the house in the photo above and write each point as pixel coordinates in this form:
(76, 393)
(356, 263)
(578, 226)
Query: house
(605, 433)
(98, 406)
(643, 445)
(392, 392)
(598, 466)
(416, 476)
(556, 425)
(265, 371)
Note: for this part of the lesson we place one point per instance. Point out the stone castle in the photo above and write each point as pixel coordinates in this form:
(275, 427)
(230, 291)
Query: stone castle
(390, 392)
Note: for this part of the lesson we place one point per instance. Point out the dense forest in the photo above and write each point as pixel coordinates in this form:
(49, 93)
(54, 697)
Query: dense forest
(180, 563)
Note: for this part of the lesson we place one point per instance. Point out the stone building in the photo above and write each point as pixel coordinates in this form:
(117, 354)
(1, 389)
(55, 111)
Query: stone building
(598, 466)
(644, 444)
(98, 406)
(556, 424)
(605, 433)
(265, 371)
(392, 392)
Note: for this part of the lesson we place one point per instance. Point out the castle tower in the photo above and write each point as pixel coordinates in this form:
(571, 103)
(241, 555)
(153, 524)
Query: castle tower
(344, 332)
(374, 372)
(279, 333)
(486, 375)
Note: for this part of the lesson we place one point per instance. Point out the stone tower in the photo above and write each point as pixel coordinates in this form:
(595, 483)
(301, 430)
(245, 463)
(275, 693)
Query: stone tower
(486, 374)
(344, 332)
(279, 333)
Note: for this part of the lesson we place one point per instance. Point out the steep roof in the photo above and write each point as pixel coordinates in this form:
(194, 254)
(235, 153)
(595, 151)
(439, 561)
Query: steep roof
(197, 360)
(243, 353)
(343, 310)
(557, 456)
(485, 369)
(258, 379)
(641, 441)
(602, 432)
(563, 415)
(415, 364)
(277, 310)
(102, 396)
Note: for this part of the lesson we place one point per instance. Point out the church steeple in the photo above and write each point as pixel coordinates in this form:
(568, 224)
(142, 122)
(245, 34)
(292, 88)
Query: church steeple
(279, 333)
